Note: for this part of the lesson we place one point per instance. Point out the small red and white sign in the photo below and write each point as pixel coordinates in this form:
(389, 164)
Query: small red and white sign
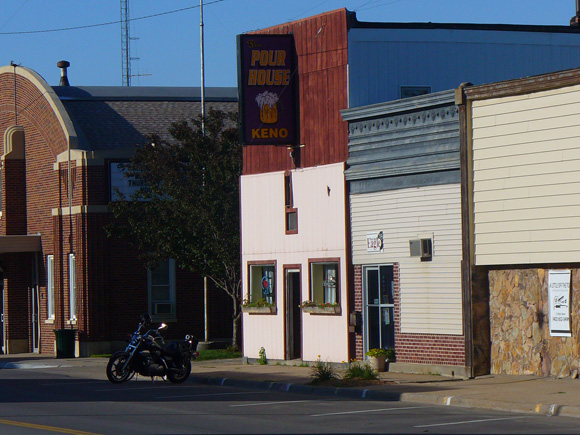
(375, 242)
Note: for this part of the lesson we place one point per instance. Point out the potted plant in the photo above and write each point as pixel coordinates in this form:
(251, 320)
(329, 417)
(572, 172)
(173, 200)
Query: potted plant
(261, 306)
(324, 308)
(379, 357)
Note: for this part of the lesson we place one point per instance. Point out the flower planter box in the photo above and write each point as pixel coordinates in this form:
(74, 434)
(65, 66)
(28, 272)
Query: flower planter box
(378, 363)
(260, 310)
(320, 310)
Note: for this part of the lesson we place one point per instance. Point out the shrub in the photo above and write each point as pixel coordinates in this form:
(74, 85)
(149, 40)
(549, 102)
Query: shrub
(323, 371)
(356, 370)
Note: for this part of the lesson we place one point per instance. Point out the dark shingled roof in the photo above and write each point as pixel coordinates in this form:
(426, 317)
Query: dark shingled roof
(120, 117)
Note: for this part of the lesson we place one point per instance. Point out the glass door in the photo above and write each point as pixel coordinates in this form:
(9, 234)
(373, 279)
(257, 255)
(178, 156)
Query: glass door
(379, 308)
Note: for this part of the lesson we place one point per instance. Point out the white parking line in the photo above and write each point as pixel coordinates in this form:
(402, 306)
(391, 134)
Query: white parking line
(485, 420)
(213, 394)
(271, 403)
(134, 389)
(71, 383)
(369, 410)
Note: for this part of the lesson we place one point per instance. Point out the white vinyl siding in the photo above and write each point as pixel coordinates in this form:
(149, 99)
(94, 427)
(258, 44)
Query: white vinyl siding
(526, 182)
(430, 290)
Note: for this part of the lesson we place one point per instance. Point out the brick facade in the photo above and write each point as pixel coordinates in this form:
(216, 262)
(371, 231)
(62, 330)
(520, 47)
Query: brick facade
(111, 282)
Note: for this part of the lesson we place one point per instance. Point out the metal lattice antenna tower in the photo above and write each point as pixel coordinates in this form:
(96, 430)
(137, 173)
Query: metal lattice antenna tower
(125, 46)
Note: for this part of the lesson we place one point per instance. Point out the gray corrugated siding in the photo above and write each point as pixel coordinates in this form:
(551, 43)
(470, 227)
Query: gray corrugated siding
(407, 143)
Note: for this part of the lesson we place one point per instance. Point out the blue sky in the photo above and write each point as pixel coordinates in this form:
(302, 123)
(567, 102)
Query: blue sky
(168, 44)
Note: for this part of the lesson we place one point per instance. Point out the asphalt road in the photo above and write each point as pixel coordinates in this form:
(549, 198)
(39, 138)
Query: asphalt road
(79, 401)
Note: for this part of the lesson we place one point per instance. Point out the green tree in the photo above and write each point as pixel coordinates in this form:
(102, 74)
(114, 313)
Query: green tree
(188, 207)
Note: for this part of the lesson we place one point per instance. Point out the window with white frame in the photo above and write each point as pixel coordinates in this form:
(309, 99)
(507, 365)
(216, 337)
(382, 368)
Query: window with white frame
(262, 283)
(72, 285)
(50, 286)
(161, 283)
(324, 288)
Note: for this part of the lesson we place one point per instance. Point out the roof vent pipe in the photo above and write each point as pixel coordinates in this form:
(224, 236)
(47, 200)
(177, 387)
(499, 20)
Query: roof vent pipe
(575, 20)
(63, 65)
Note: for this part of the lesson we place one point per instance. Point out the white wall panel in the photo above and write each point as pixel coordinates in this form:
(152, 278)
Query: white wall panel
(319, 197)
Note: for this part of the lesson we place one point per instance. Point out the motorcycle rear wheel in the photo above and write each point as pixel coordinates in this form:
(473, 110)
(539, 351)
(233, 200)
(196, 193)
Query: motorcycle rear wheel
(181, 374)
(115, 371)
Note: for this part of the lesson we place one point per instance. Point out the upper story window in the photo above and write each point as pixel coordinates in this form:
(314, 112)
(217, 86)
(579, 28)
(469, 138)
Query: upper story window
(414, 91)
(291, 213)
(121, 184)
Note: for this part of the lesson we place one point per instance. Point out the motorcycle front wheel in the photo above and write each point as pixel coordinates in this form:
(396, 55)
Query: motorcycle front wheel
(181, 373)
(115, 371)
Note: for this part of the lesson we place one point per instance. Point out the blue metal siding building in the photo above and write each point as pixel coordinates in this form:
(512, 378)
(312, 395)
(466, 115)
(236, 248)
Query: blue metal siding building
(387, 59)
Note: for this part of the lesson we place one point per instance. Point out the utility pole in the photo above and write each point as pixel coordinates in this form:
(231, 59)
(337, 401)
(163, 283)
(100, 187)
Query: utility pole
(202, 67)
(205, 304)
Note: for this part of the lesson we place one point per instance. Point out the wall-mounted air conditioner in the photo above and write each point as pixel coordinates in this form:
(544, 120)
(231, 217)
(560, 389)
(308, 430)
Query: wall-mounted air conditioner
(422, 248)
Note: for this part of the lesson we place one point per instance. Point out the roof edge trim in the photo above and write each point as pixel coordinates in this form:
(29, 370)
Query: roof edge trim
(51, 98)
(398, 106)
(538, 83)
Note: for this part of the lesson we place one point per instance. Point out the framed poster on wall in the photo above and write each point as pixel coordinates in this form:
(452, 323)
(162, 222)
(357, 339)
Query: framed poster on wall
(559, 299)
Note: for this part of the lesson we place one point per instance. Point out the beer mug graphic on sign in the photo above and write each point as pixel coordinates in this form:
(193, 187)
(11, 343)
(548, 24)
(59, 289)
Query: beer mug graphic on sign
(268, 103)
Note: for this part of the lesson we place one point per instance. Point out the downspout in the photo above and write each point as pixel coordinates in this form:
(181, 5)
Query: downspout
(63, 65)
(466, 262)
(14, 65)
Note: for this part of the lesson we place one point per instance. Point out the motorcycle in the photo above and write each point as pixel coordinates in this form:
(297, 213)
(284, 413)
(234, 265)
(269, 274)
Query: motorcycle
(147, 355)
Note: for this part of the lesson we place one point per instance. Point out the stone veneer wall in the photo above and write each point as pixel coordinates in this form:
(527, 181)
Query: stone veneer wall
(520, 335)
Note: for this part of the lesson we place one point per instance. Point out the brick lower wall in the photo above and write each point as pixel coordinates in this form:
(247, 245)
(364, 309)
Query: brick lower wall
(430, 349)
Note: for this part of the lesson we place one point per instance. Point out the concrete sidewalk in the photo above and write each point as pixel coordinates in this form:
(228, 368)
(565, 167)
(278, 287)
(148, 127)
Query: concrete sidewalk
(528, 394)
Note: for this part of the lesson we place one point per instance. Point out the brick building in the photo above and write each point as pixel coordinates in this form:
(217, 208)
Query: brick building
(62, 149)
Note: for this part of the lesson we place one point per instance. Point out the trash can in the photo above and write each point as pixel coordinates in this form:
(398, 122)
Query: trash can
(65, 343)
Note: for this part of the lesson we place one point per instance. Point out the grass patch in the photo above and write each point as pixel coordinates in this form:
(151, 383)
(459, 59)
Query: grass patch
(209, 354)
(204, 355)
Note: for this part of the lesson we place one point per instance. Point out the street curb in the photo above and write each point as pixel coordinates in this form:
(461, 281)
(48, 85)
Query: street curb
(367, 394)
(497, 405)
(353, 393)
